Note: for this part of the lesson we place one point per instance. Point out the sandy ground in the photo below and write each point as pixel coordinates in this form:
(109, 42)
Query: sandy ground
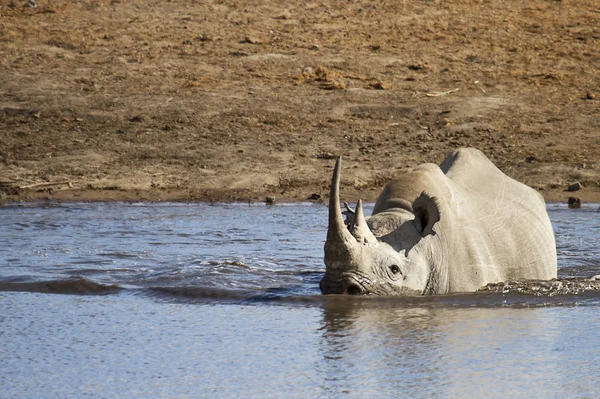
(239, 100)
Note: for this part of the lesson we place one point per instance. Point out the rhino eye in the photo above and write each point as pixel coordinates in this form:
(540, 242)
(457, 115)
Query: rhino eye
(395, 269)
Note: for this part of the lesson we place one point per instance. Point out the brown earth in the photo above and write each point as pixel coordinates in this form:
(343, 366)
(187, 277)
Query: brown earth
(239, 100)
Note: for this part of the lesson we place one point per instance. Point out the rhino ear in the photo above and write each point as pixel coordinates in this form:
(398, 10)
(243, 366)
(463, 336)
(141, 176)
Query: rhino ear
(349, 214)
(427, 213)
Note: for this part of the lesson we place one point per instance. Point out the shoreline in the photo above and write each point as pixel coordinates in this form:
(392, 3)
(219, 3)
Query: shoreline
(587, 195)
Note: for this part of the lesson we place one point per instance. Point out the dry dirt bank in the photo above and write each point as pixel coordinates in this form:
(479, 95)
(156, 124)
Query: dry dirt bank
(236, 100)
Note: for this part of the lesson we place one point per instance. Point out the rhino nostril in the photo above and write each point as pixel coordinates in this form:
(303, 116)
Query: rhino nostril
(354, 289)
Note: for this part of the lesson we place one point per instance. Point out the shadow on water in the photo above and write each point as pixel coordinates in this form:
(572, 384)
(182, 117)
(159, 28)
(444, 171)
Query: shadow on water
(70, 286)
(560, 292)
(530, 294)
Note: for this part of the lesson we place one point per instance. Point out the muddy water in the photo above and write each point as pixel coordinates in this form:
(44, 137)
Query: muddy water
(194, 300)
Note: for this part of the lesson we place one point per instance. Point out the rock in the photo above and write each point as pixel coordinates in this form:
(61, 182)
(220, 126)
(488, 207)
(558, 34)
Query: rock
(575, 186)
(270, 200)
(251, 40)
(285, 15)
(380, 85)
(325, 155)
(530, 159)
(8, 187)
(418, 67)
(574, 202)
(314, 197)
(5, 182)
(136, 118)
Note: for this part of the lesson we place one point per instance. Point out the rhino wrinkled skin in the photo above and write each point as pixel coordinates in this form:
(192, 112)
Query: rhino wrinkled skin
(440, 229)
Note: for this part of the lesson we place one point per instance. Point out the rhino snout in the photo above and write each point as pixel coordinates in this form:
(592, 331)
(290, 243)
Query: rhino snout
(346, 286)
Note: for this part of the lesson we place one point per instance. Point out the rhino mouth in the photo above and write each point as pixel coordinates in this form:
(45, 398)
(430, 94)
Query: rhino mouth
(360, 284)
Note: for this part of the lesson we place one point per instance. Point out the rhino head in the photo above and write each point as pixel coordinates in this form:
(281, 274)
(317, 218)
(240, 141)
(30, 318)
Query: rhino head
(399, 261)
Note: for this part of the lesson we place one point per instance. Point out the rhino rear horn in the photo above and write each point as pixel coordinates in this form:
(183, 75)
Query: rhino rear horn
(360, 230)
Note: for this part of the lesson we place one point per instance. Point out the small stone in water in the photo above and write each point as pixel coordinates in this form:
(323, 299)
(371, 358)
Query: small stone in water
(574, 202)
(314, 197)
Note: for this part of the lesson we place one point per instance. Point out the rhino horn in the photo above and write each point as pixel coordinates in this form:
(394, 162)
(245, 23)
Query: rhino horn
(360, 230)
(340, 244)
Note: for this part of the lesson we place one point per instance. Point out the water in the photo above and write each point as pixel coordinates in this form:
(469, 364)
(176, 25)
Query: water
(194, 300)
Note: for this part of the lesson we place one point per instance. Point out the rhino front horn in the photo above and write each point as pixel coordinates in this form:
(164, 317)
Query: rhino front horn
(340, 243)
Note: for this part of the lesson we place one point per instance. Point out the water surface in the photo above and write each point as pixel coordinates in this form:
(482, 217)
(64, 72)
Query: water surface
(194, 300)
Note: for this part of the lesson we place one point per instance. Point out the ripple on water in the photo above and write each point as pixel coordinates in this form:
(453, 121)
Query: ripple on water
(194, 247)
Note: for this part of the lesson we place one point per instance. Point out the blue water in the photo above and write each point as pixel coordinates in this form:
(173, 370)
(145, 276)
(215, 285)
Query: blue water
(194, 300)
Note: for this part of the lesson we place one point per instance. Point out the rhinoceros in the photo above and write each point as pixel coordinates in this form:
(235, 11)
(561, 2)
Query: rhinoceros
(439, 229)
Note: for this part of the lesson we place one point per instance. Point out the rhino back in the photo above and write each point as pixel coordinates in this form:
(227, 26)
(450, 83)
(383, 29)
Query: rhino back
(476, 174)
(510, 230)
(492, 229)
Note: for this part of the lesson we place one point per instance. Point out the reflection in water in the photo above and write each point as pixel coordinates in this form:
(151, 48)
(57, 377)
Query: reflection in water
(103, 346)
(360, 341)
(455, 353)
